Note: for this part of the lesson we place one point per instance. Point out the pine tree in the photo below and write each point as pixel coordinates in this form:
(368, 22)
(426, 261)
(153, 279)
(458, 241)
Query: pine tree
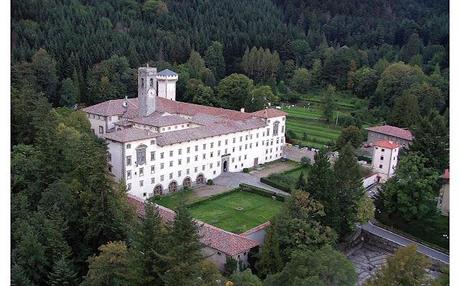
(149, 248)
(322, 188)
(301, 183)
(350, 189)
(184, 255)
(214, 59)
(62, 274)
(270, 261)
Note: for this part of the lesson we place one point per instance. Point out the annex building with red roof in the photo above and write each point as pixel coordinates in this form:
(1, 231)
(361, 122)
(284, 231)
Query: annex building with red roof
(218, 244)
(158, 145)
(401, 136)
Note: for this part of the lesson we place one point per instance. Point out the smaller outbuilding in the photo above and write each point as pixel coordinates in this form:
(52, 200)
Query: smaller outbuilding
(385, 158)
(401, 136)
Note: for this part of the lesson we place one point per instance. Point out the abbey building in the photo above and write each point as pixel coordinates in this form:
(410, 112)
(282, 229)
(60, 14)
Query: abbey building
(159, 145)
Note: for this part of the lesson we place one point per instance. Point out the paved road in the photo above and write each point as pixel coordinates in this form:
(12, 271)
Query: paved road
(233, 180)
(398, 239)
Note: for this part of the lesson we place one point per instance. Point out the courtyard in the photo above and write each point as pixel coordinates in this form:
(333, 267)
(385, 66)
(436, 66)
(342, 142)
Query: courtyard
(236, 211)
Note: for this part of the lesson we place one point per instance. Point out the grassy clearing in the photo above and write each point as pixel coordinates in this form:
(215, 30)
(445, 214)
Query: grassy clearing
(307, 118)
(236, 211)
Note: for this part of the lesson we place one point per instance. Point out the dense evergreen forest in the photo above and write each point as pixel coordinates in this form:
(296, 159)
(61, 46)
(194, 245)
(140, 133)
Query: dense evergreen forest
(66, 206)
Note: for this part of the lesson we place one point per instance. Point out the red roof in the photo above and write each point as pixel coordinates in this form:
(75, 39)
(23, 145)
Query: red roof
(386, 144)
(392, 131)
(269, 113)
(446, 174)
(229, 243)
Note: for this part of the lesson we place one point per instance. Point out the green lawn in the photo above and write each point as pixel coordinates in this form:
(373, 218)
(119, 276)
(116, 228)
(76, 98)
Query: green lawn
(172, 200)
(236, 211)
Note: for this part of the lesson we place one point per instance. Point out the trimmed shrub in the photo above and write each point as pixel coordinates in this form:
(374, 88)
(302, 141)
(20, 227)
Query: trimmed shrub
(245, 170)
(209, 182)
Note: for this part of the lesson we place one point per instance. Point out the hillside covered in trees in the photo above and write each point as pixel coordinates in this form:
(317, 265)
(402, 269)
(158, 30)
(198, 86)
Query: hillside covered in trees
(66, 207)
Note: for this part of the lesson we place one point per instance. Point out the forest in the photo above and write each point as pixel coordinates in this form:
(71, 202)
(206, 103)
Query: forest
(70, 218)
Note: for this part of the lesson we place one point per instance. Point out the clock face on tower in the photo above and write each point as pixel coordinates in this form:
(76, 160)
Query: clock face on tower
(151, 92)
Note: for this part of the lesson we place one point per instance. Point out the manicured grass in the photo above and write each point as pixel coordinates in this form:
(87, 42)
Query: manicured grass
(172, 201)
(286, 181)
(236, 211)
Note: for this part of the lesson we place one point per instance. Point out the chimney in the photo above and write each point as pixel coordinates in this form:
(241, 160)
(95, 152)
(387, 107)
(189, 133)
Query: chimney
(146, 90)
(242, 109)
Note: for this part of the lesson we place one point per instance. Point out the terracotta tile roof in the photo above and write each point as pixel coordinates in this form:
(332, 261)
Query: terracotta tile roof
(269, 113)
(167, 72)
(386, 144)
(130, 134)
(113, 107)
(211, 236)
(392, 131)
(446, 174)
(158, 120)
(210, 130)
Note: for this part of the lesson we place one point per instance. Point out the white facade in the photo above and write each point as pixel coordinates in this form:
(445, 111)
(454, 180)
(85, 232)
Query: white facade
(167, 86)
(385, 159)
(206, 157)
(241, 140)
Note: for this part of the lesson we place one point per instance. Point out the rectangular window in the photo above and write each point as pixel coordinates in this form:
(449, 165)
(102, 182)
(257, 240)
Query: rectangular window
(162, 178)
(141, 172)
(162, 155)
(128, 174)
(188, 171)
(246, 138)
(179, 162)
(128, 187)
(152, 142)
(152, 169)
(152, 156)
(218, 143)
(162, 166)
(241, 138)
(140, 155)
(196, 147)
(170, 176)
(204, 156)
(196, 158)
(203, 167)
(152, 180)
(170, 163)
(128, 160)
(179, 173)
(188, 150)
(141, 183)
(210, 165)
(204, 146)
(109, 156)
(381, 157)
(180, 151)
(128, 146)
(212, 154)
(171, 153)
(196, 169)
(226, 141)
(381, 166)
(188, 159)
(234, 140)
(101, 129)
(212, 144)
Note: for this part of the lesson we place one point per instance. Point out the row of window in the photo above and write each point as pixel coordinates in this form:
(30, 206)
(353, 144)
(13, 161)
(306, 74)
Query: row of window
(140, 152)
(219, 143)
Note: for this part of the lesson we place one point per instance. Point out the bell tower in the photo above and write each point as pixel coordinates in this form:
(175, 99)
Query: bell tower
(146, 90)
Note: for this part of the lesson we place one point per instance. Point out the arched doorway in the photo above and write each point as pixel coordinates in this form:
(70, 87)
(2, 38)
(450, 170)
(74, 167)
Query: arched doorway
(172, 187)
(200, 179)
(187, 183)
(158, 190)
(225, 166)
